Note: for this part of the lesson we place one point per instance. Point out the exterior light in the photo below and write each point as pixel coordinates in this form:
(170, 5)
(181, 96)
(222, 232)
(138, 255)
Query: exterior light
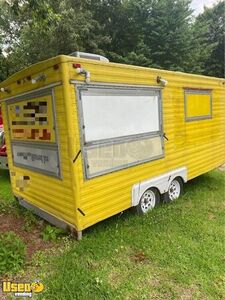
(5, 90)
(77, 66)
(56, 67)
(161, 81)
(39, 78)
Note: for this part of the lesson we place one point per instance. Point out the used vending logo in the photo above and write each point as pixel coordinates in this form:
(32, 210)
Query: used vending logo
(22, 289)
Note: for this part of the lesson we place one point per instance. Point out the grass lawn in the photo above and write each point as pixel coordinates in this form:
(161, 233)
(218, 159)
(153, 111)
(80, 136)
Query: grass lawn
(7, 201)
(174, 252)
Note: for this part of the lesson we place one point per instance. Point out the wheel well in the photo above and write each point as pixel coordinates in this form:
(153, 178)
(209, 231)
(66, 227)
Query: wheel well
(150, 187)
(154, 187)
(181, 178)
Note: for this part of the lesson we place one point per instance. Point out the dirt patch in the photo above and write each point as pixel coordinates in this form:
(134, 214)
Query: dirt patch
(211, 217)
(32, 238)
(139, 257)
(190, 293)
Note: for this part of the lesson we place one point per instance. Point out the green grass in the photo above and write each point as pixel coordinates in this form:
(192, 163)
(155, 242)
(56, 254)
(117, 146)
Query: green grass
(7, 201)
(174, 252)
(12, 253)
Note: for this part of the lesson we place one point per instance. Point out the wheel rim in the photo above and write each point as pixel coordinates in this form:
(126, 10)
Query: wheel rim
(148, 201)
(174, 190)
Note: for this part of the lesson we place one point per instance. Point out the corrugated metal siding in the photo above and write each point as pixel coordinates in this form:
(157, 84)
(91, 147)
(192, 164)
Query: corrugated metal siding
(198, 145)
(53, 195)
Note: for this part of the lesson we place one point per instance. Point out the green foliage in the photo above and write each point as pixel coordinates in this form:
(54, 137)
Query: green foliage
(51, 233)
(174, 252)
(152, 33)
(200, 49)
(214, 17)
(167, 33)
(30, 220)
(47, 28)
(8, 204)
(12, 253)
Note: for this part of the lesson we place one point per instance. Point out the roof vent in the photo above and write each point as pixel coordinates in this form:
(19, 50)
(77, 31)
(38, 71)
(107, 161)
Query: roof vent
(89, 56)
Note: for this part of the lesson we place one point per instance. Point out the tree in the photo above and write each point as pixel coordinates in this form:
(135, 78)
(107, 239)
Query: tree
(117, 19)
(155, 33)
(3, 65)
(214, 17)
(46, 28)
(7, 34)
(200, 49)
(168, 33)
(152, 33)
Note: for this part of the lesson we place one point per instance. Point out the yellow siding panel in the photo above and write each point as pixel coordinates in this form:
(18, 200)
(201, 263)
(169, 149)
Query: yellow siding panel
(197, 145)
(52, 195)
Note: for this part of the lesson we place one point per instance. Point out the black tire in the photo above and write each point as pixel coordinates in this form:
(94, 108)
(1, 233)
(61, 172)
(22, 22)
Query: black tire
(167, 197)
(146, 197)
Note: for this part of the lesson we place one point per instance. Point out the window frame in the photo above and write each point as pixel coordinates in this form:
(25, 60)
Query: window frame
(116, 140)
(30, 95)
(193, 91)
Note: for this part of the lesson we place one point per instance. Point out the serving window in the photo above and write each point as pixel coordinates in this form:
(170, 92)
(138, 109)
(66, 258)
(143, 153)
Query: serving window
(198, 104)
(33, 135)
(32, 120)
(120, 127)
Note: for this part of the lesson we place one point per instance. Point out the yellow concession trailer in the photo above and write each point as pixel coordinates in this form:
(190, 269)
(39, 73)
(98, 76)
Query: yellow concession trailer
(87, 139)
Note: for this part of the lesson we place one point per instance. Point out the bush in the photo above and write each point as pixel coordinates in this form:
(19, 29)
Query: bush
(51, 233)
(30, 220)
(12, 253)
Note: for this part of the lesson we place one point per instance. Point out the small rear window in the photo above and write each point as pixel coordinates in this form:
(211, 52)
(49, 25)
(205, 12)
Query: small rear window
(198, 104)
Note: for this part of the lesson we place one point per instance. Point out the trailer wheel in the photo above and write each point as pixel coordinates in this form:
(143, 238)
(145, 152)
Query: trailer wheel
(175, 190)
(148, 201)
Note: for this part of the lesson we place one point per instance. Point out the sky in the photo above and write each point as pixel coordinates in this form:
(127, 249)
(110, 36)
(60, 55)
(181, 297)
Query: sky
(198, 5)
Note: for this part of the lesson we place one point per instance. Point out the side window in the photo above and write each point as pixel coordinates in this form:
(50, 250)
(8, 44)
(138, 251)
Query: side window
(198, 104)
(120, 127)
(33, 132)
